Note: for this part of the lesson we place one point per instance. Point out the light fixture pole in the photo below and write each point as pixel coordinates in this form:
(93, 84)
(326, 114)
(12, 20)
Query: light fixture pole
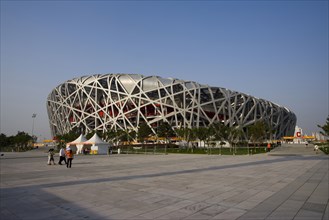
(34, 115)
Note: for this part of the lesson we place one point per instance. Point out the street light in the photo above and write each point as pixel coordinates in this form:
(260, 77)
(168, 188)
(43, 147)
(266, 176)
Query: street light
(34, 115)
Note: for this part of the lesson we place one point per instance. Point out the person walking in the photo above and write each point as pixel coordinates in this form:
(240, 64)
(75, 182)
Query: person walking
(316, 149)
(69, 155)
(62, 156)
(268, 147)
(51, 156)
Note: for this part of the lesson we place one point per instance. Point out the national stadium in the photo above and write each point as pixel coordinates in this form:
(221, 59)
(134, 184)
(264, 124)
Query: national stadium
(124, 101)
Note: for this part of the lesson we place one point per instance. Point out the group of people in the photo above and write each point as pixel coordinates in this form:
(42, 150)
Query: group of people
(63, 155)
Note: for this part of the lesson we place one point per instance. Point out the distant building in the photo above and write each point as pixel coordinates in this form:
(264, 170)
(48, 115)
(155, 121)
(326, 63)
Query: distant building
(298, 135)
(319, 137)
(124, 101)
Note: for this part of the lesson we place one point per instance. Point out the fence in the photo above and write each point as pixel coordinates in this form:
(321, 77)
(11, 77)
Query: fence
(171, 148)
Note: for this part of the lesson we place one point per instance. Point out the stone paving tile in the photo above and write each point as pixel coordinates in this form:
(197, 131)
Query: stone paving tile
(231, 214)
(149, 208)
(106, 208)
(287, 210)
(169, 200)
(122, 215)
(304, 192)
(326, 214)
(308, 215)
(199, 215)
(213, 210)
(223, 196)
(242, 196)
(200, 198)
(247, 204)
(157, 213)
(261, 196)
(196, 207)
(320, 194)
(315, 207)
(146, 197)
(155, 199)
(163, 210)
(191, 195)
(229, 204)
(175, 215)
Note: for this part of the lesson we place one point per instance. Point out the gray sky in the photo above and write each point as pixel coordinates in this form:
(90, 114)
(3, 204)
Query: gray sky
(275, 50)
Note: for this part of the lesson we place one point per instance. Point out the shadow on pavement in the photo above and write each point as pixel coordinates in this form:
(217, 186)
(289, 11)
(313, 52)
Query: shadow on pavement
(32, 203)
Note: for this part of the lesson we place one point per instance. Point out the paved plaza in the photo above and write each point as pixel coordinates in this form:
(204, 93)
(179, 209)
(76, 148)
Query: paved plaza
(165, 187)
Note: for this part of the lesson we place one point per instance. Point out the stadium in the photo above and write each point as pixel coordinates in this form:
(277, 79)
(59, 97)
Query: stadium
(124, 101)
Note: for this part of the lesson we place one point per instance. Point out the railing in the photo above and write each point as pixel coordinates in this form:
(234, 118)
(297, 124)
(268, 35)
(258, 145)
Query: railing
(172, 148)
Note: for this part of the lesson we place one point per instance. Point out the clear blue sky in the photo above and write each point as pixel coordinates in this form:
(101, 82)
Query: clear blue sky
(275, 50)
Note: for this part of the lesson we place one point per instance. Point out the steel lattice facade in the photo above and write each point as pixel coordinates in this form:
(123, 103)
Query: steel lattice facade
(123, 101)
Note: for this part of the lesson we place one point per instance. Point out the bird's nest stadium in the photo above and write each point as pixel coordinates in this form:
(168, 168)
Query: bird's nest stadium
(124, 101)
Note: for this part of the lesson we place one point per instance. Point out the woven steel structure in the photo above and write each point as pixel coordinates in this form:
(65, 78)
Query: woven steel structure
(123, 101)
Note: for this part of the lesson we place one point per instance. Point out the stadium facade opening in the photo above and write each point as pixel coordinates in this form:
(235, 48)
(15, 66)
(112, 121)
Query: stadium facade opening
(124, 101)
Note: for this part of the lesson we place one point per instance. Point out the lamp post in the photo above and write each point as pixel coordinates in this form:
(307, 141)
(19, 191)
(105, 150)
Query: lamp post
(34, 115)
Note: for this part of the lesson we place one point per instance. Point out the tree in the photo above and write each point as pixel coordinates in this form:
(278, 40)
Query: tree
(221, 133)
(22, 139)
(68, 137)
(206, 134)
(201, 133)
(186, 134)
(257, 132)
(210, 135)
(143, 132)
(90, 134)
(165, 131)
(110, 135)
(128, 135)
(120, 136)
(115, 136)
(4, 140)
(235, 134)
(325, 128)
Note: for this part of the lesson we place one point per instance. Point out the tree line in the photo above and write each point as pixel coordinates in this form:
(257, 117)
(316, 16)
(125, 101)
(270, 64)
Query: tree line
(22, 141)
